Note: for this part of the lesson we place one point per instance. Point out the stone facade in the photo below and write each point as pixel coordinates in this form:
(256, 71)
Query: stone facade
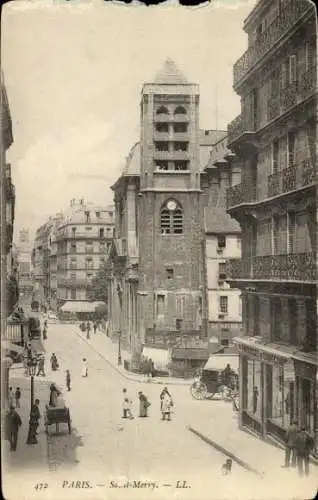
(157, 264)
(274, 139)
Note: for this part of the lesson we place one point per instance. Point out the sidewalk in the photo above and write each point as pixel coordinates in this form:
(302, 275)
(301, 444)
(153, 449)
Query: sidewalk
(259, 457)
(26, 456)
(108, 350)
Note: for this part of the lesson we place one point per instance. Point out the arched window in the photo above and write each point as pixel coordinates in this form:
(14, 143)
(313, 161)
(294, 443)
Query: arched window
(180, 110)
(162, 111)
(171, 218)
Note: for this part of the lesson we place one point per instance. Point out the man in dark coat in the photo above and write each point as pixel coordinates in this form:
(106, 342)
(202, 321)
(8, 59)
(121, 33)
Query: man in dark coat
(13, 423)
(304, 444)
(290, 451)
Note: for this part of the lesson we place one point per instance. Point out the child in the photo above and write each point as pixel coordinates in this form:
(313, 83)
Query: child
(127, 413)
(68, 380)
(17, 397)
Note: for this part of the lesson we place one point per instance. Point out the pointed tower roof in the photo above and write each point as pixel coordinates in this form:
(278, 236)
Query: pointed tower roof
(170, 74)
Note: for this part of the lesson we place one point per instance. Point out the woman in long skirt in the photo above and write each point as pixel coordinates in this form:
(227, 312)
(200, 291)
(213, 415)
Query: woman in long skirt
(143, 405)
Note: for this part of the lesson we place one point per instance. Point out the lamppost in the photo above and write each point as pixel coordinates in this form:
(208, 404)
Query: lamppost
(119, 348)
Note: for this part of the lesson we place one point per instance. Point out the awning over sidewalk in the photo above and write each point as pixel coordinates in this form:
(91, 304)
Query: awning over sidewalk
(81, 307)
(190, 353)
(160, 357)
(219, 362)
(270, 351)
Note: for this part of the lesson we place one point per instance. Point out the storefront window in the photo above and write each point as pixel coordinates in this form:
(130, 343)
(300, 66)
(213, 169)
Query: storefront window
(278, 383)
(254, 387)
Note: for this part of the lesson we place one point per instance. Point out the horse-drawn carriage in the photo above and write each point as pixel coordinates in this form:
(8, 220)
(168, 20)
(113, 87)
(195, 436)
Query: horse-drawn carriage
(57, 415)
(215, 379)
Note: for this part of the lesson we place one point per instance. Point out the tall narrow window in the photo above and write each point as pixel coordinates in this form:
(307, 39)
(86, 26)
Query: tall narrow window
(223, 304)
(101, 232)
(160, 306)
(275, 157)
(291, 148)
(171, 218)
(292, 68)
(222, 271)
(87, 217)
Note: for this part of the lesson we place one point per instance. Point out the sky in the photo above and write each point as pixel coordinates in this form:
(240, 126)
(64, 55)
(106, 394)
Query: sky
(74, 73)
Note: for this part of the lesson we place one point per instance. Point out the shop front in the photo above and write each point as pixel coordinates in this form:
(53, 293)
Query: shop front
(267, 388)
(306, 394)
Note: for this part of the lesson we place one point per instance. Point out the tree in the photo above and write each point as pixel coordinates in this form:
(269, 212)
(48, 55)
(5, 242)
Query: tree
(99, 287)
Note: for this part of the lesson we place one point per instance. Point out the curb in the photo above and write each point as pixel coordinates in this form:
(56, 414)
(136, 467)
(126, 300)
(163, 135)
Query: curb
(225, 452)
(124, 375)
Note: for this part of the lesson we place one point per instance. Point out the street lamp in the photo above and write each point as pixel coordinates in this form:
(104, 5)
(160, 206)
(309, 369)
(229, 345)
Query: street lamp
(119, 348)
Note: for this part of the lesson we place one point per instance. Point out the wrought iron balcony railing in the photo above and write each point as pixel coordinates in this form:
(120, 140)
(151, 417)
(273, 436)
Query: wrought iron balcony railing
(285, 267)
(288, 16)
(240, 194)
(291, 178)
(239, 126)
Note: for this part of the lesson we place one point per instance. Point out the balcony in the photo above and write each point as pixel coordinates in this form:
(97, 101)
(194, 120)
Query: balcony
(239, 127)
(240, 194)
(178, 118)
(171, 155)
(308, 82)
(297, 267)
(291, 178)
(289, 15)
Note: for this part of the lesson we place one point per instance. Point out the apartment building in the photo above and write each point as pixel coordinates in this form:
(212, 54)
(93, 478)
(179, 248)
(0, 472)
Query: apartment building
(222, 242)
(274, 141)
(79, 245)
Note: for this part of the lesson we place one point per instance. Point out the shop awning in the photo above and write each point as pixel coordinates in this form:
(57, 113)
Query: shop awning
(190, 353)
(284, 352)
(81, 307)
(160, 357)
(219, 362)
(9, 346)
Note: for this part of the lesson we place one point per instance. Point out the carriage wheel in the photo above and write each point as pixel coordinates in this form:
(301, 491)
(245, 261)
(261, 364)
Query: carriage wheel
(198, 391)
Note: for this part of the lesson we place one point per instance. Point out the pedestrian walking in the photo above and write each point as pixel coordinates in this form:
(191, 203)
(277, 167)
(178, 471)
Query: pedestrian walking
(143, 405)
(54, 394)
(17, 397)
(290, 451)
(162, 395)
(304, 444)
(44, 333)
(10, 398)
(95, 326)
(13, 423)
(68, 380)
(127, 404)
(88, 329)
(54, 362)
(166, 405)
(84, 368)
(41, 364)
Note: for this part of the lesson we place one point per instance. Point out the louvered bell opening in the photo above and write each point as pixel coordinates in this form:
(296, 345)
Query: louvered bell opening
(178, 222)
(165, 222)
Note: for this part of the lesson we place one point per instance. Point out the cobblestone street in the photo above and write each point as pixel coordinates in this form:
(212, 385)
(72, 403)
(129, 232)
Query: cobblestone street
(104, 447)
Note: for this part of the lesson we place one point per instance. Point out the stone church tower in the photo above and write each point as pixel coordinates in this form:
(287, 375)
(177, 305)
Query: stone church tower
(171, 241)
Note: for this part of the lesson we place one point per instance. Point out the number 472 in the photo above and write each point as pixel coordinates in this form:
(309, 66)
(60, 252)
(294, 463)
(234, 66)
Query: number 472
(40, 486)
